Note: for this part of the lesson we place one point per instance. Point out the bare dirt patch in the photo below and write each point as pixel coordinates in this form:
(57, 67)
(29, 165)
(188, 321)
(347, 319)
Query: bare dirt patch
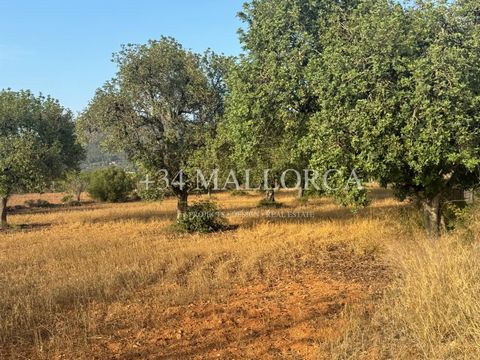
(287, 318)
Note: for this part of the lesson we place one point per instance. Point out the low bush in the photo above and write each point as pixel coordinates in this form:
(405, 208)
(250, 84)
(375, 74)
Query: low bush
(455, 215)
(239, 193)
(110, 185)
(155, 194)
(202, 217)
(67, 198)
(74, 184)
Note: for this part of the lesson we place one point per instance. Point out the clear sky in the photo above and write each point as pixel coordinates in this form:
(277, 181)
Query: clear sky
(63, 47)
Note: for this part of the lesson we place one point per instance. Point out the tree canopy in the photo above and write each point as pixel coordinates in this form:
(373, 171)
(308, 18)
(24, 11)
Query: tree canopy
(400, 97)
(389, 90)
(37, 143)
(160, 107)
(269, 100)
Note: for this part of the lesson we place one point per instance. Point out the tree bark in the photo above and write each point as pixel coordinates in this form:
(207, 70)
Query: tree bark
(270, 195)
(79, 195)
(182, 203)
(432, 215)
(301, 192)
(3, 212)
(301, 188)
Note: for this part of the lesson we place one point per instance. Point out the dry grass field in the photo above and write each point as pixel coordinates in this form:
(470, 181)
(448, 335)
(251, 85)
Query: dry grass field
(307, 281)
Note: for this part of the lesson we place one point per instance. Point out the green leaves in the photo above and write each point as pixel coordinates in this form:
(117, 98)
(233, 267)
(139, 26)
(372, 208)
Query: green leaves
(37, 142)
(110, 184)
(269, 98)
(399, 95)
(161, 106)
(389, 90)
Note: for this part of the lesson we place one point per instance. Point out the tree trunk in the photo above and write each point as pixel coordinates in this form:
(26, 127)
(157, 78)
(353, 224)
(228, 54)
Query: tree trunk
(301, 188)
(432, 215)
(3, 212)
(301, 192)
(182, 203)
(270, 195)
(79, 195)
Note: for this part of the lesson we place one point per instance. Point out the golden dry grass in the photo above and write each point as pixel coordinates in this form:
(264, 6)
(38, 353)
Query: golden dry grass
(53, 198)
(77, 259)
(431, 310)
(115, 281)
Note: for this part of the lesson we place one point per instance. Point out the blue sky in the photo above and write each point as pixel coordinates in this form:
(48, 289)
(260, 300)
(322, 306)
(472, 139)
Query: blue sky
(63, 48)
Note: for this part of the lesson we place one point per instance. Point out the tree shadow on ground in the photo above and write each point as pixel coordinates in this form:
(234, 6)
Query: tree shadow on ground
(134, 215)
(14, 228)
(308, 215)
(51, 208)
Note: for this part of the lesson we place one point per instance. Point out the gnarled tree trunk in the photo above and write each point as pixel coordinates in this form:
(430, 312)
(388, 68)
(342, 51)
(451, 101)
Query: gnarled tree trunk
(270, 190)
(432, 215)
(301, 192)
(301, 188)
(182, 203)
(270, 195)
(78, 195)
(3, 212)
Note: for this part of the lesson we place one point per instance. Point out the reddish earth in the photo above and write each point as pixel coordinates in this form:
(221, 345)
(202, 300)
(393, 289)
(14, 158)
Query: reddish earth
(294, 316)
(289, 318)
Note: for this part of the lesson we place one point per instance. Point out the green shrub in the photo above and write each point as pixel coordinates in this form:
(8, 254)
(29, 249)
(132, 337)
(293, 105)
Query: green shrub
(455, 214)
(67, 198)
(110, 185)
(302, 200)
(74, 184)
(202, 217)
(312, 192)
(70, 201)
(154, 194)
(239, 193)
